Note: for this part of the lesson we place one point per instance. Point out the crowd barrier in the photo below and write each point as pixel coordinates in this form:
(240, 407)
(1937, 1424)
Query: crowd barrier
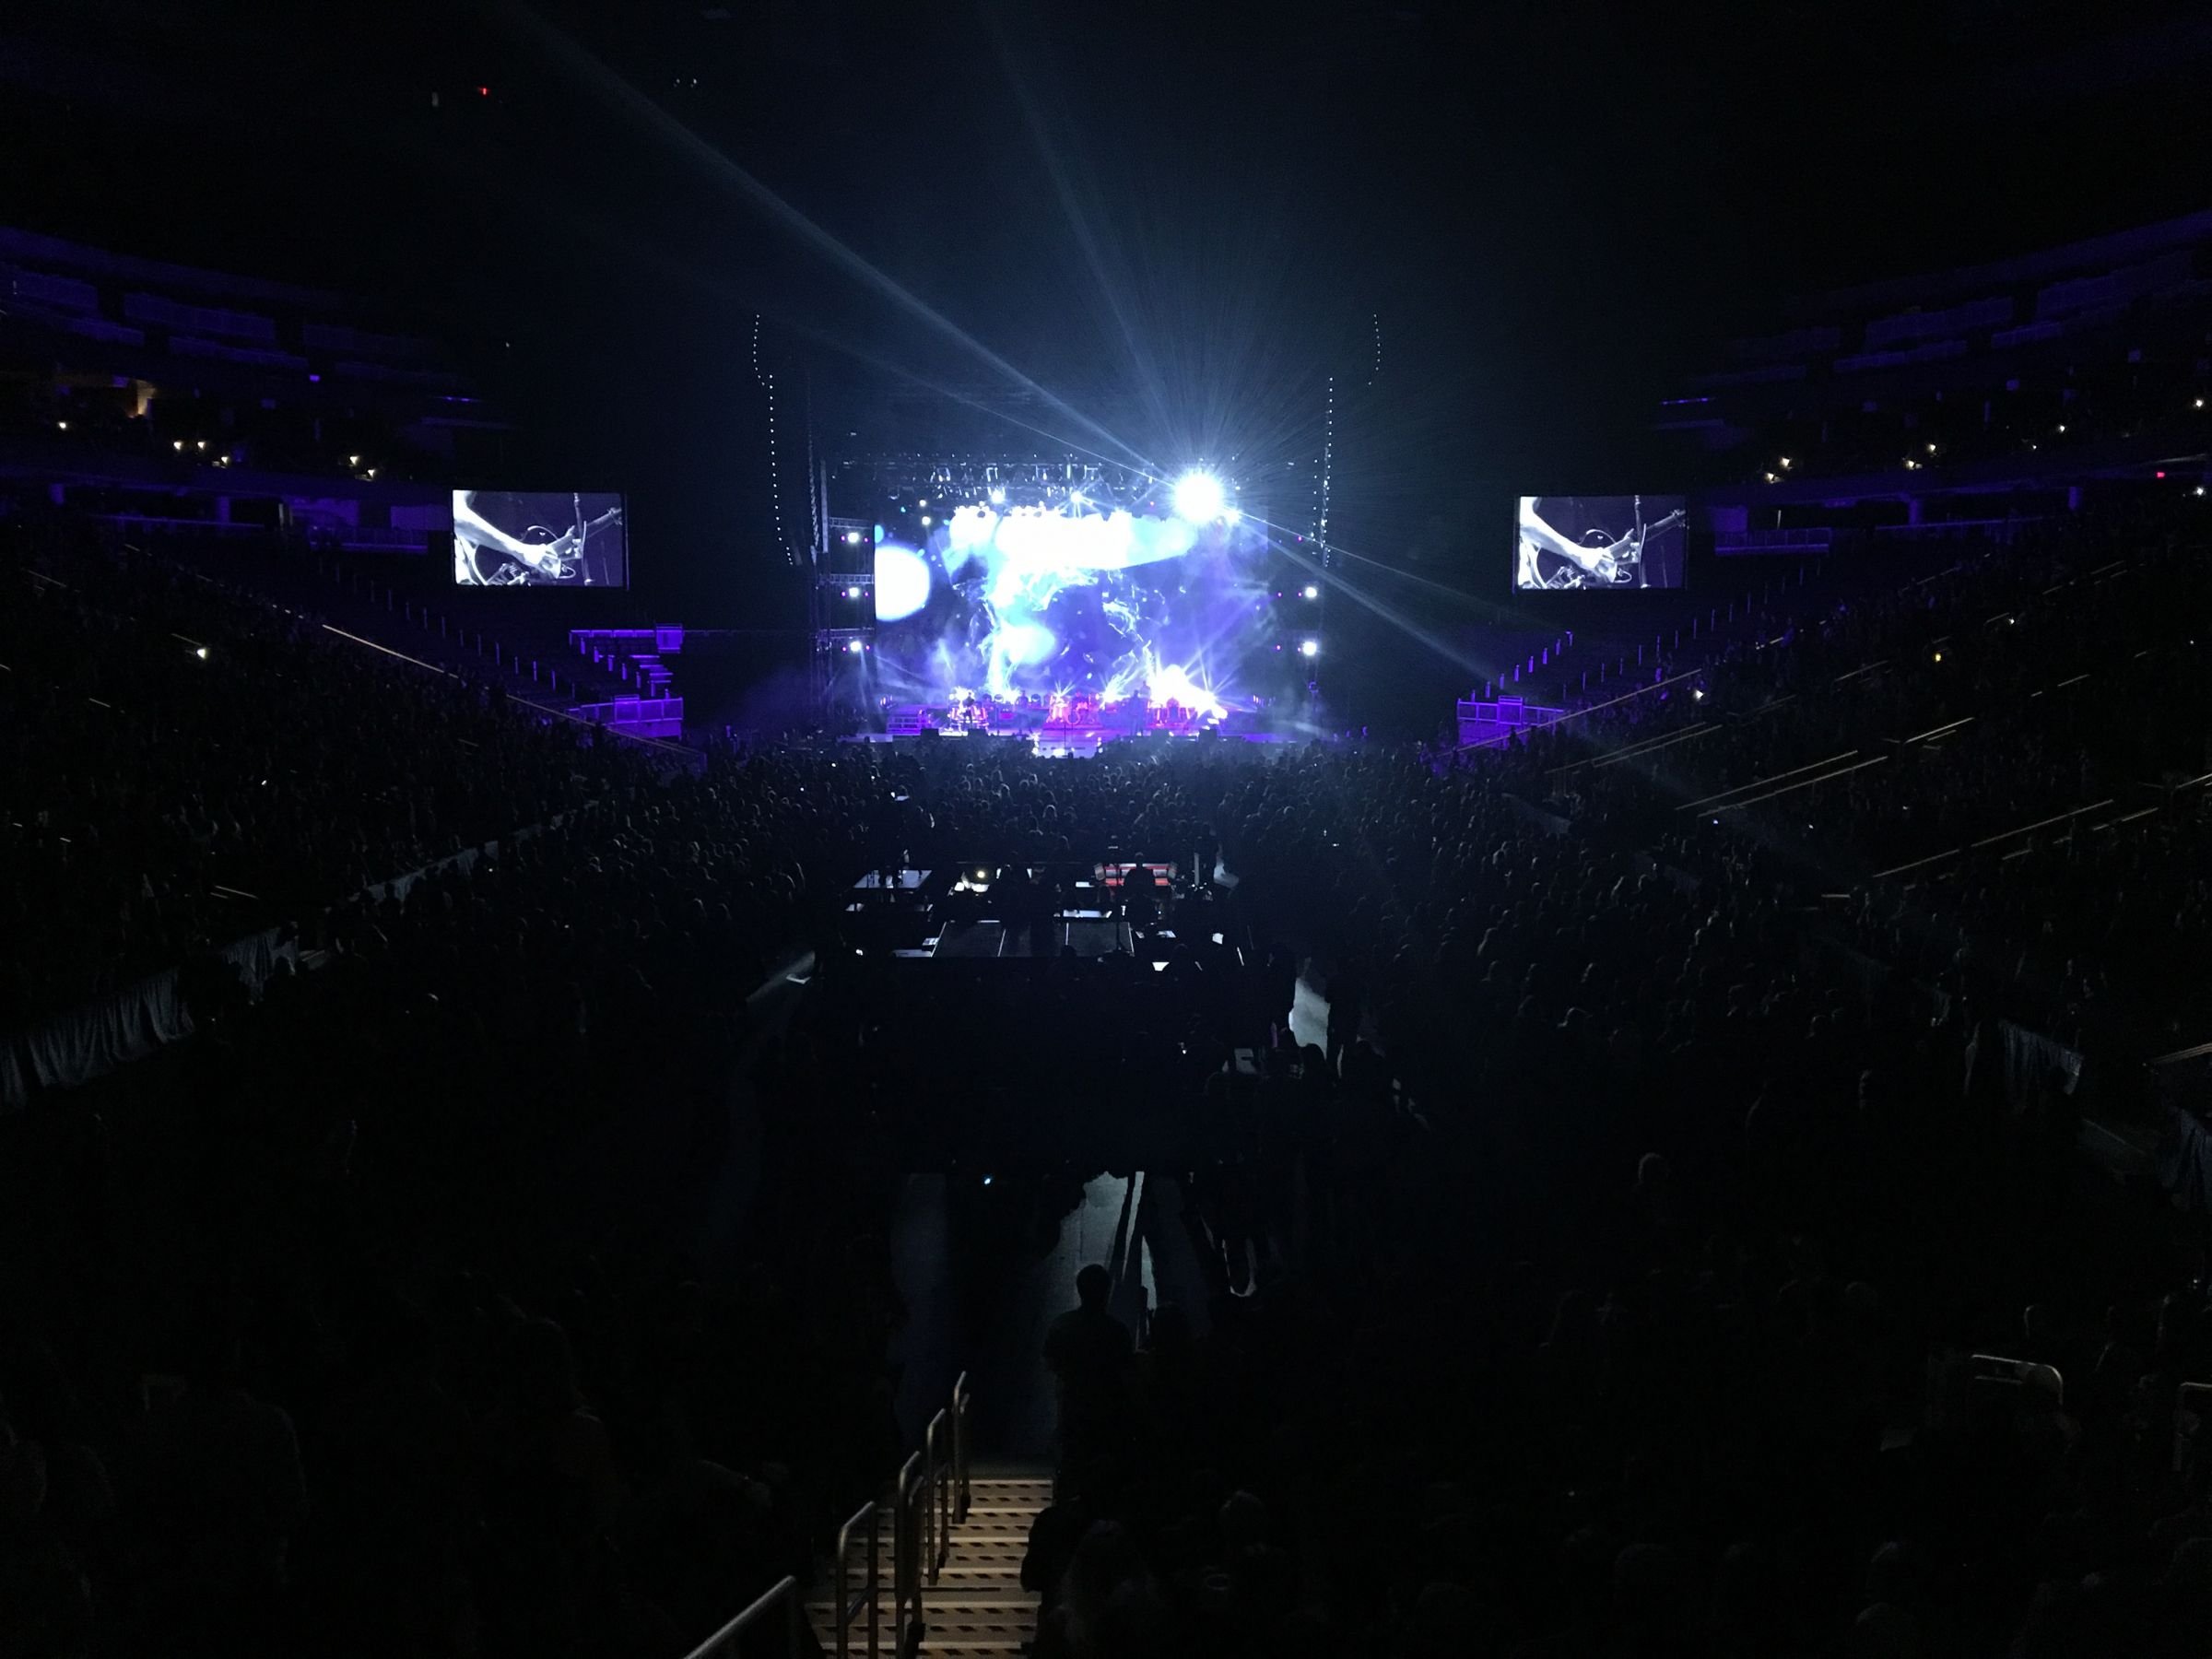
(72, 1048)
(1494, 722)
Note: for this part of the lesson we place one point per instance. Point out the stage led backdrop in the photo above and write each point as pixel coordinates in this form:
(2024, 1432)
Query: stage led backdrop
(1072, 597)
(540, 538)
(1625, 541)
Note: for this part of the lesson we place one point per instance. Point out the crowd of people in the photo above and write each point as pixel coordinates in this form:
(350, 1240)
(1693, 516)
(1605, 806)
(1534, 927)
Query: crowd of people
(377, 1317)
(1602, 1280)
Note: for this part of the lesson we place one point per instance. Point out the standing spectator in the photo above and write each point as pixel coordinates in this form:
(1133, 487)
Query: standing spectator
(1088, 1351)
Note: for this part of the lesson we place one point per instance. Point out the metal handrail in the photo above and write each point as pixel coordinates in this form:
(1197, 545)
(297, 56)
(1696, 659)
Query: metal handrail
(959, 1447)
(940, 1493)
(930, 1497)
(906, 1555)
(787, 1592)
(848, 1606)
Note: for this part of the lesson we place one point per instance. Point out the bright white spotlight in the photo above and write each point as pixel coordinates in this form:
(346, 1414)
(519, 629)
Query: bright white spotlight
(1198, 497)
(854, 646)
(852, 592)
(1311, 648)
(901, 582)
(1312, 593)
(852, 539)
(998, 498)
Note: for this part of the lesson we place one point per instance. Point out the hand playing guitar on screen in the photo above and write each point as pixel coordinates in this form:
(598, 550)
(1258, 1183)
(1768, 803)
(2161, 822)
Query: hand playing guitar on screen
(1606, 561)
(553, 557)
(1596, 561)
(550, 556)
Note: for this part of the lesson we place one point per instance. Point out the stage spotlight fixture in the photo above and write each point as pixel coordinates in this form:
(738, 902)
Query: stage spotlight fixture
(1198, 497)
(928, 521)
(998, 498)
(200, 652)
(63, 424)
(852, 592)
(1785, 461)
(1311, 648)
(1075, 497)
(852, 539)
(1312, 593)
(902, 582)
(353, 460)
(854, 646)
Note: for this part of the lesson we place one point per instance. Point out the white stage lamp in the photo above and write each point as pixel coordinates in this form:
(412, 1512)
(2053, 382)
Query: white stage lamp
(1198, 497)
(1312, 593)
(1311, 648)
(902, 582)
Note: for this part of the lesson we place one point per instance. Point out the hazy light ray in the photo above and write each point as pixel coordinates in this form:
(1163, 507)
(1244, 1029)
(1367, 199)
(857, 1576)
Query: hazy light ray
(1389, 612)
(623, 243)
(1147, 373)
(620, 94)
(1304, 557)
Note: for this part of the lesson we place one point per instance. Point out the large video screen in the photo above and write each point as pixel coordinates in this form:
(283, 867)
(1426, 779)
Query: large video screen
(1132, 606)
(1626, 541)
(540, 538)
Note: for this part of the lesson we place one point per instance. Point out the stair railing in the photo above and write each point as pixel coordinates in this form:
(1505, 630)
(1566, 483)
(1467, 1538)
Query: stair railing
(959, 1448)
(909, 1517)
(785, 1593)
(928, 1499)
(934, 1443)
(866, 1522)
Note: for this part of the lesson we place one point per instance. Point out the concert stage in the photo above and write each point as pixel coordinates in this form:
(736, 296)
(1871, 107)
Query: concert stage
(1080, 741)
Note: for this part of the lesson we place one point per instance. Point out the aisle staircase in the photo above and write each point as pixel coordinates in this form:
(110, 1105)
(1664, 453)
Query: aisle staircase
(977, 1606)
(935, 1567)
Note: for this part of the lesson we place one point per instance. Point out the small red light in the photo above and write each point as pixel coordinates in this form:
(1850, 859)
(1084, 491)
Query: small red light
(482, 91)
(2161, 473)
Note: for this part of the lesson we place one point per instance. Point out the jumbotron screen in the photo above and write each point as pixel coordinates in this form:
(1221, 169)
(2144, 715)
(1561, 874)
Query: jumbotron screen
(1172, 598)
(540, 538)
(1624, 541)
